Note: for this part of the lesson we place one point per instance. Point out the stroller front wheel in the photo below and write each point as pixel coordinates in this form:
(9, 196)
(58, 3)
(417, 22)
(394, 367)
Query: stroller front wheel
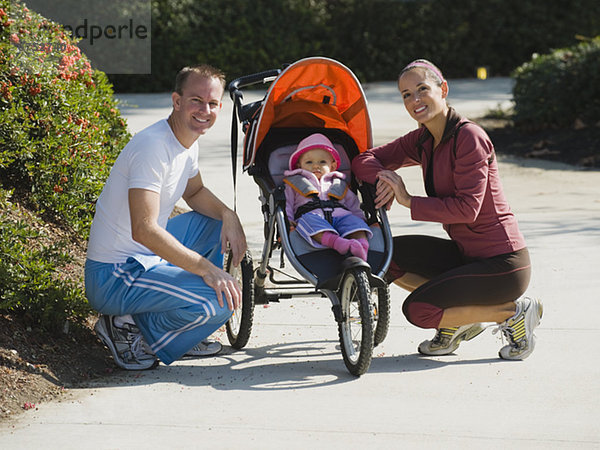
(356, 327)
(239, 326)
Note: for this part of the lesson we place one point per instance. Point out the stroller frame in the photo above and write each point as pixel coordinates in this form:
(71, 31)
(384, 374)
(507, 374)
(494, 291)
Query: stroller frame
(359, 296)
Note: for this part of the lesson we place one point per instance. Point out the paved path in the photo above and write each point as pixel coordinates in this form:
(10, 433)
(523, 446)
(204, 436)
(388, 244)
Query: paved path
(289, 388)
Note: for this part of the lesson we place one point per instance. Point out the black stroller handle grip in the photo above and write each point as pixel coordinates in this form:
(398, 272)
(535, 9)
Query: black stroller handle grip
(249, 80)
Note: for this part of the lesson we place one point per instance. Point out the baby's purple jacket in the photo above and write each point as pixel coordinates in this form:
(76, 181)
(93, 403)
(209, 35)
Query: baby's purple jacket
(294, 199)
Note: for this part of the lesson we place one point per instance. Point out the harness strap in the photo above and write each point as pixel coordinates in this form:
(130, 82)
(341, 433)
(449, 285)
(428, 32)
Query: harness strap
(303, 186)
(316, 203)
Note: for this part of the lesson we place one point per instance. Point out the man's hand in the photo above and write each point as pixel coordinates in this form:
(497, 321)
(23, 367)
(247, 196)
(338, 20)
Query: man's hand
(225, 286)
(232, 234)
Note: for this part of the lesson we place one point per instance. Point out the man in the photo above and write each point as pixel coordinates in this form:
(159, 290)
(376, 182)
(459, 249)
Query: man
(159, 282)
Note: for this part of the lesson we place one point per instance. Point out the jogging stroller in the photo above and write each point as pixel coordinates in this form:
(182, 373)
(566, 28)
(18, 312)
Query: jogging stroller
(312, 95)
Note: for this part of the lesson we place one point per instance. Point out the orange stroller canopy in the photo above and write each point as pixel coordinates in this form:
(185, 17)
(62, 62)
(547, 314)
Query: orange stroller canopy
(313, 92)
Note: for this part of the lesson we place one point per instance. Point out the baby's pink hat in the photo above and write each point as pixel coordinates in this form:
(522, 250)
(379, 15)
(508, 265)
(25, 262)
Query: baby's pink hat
(312, 142)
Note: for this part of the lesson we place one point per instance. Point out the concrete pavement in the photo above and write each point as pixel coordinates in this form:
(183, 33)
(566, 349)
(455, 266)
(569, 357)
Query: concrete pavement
(290, 389)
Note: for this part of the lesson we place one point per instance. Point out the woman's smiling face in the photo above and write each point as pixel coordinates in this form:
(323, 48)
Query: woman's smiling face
(423, 97)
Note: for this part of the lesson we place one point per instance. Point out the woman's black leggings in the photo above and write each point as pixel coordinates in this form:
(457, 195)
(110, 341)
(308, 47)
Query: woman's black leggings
(453, 279)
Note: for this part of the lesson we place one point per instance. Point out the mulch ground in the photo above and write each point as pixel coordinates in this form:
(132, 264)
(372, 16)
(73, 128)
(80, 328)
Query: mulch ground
(36, 367)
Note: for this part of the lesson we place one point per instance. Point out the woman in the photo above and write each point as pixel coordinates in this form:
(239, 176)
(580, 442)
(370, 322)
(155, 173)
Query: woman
(479, 274)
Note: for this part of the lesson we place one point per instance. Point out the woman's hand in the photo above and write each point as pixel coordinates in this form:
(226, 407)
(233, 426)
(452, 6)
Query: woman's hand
(384, 195)
(390, 185)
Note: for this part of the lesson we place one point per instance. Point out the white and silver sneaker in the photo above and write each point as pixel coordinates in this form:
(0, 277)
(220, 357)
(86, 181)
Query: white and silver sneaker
(126, 344)
(518, 329)
(205, 348)
(446, 340)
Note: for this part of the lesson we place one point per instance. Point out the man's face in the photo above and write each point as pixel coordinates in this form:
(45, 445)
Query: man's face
(199, 103)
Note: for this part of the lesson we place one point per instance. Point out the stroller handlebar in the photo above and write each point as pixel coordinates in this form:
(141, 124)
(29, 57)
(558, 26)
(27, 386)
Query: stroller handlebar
(249, 80)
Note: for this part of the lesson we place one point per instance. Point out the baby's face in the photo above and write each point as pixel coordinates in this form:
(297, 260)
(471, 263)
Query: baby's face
(317, 161)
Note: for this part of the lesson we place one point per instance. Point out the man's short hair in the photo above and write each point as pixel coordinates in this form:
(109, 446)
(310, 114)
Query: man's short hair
(204, 70)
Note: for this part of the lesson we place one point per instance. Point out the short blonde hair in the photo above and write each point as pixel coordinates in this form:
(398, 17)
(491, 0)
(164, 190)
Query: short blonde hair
(204, 70)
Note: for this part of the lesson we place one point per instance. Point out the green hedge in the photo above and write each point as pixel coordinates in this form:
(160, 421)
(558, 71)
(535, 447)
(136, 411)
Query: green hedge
(559, 88)
(60, 132)
(375, 38)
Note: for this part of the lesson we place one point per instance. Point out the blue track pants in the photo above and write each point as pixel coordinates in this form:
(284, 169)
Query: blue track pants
(174, 309)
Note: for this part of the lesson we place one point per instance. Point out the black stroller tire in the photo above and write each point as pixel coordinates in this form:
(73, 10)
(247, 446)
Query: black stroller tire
(239, 326)
(381, 315)
(356, 328)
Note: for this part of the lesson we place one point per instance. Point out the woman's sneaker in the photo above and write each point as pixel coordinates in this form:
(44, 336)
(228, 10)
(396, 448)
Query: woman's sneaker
(446, 340)
(205, 348)
(518, 330)
(126, 344)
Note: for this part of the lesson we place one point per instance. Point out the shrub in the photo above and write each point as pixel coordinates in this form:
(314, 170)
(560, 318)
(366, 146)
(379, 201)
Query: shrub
(60, 132)
(30, 271)
(556, 89)
(60, 129)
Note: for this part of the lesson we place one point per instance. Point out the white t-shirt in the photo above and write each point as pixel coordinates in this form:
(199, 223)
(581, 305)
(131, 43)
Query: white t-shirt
(155, 160)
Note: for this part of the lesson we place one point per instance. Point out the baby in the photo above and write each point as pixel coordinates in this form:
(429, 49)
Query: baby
(325, 212)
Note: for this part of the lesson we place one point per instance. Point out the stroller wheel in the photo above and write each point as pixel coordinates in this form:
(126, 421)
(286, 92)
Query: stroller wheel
(381, 313)
(239, 325)
(356, 328)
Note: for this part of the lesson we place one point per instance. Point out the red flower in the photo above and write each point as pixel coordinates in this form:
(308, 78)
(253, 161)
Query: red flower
(5, 90)
(14, 38)
(35, 90)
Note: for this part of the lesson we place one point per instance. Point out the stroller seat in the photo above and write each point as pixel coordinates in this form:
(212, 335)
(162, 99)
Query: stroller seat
(326, 264)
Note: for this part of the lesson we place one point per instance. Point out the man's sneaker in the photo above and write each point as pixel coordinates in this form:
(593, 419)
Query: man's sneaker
(518, 330)
(446, 340)
(125, 343)
(205, 348)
